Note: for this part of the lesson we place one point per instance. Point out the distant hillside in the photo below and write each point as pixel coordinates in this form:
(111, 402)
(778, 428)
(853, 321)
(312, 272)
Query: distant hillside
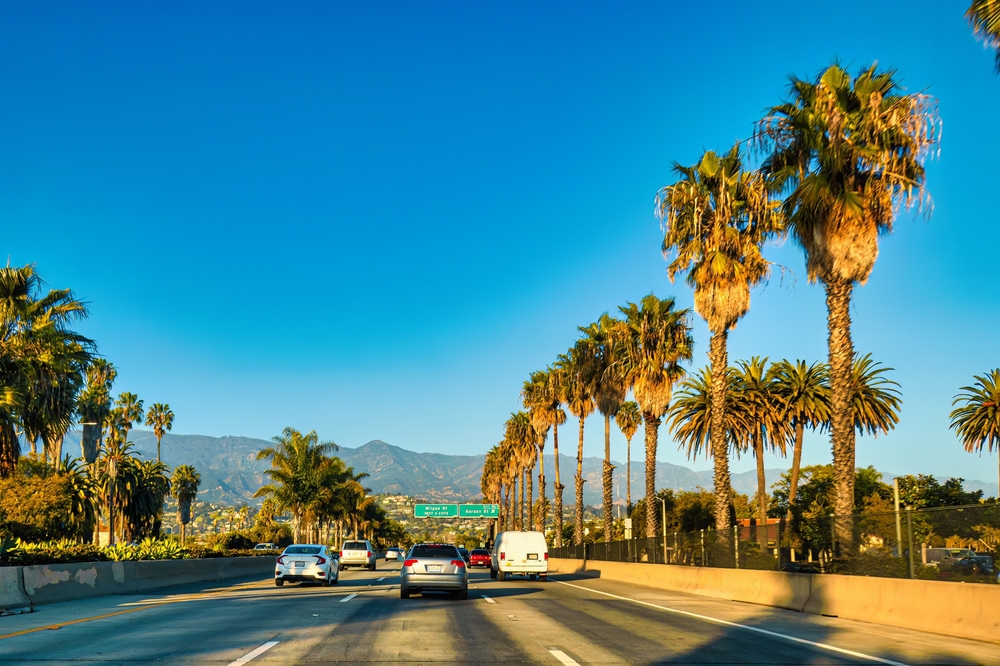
(230, 472)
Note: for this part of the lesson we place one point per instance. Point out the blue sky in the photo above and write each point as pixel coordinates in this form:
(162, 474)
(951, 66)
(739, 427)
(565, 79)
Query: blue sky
(376, 221)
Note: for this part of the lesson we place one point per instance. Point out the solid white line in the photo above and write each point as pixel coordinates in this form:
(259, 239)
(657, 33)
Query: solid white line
(253, 655)
(348, 598)
(488, 600)
(563, 657)
(727, 623)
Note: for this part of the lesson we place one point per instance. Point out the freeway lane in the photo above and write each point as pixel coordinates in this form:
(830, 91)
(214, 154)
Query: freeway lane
(564, 621)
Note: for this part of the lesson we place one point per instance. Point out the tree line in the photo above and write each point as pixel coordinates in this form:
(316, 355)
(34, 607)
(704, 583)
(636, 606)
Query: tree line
(840, 158)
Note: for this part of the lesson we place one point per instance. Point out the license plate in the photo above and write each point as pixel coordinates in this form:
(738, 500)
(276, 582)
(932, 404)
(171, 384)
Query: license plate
(434, 569)
(300, 564)
(532, 556)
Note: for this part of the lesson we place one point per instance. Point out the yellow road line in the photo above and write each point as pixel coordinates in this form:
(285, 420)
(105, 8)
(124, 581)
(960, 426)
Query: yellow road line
(71, 622)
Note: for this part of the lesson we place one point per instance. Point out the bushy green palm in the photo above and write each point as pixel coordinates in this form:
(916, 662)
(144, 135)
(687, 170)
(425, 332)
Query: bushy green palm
(577, 369)
(161, 418)
(541, 399)
(184, 485)
(689, 418)
(805, 395)
(984, 17)
(628, 419)
(976, 417)
(94, 406)
(656, 338)
(849, 152)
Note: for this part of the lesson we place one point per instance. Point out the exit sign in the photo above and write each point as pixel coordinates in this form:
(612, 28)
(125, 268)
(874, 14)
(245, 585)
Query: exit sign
(479, 511)
(435, 510)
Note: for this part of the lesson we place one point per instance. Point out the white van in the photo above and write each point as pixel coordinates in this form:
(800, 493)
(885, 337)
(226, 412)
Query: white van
(522, 553)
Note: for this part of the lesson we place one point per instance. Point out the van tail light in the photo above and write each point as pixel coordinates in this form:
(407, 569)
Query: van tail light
(341, 554)
(458, 563)
(320, 560)
(281, 560)
(503, 555)
(369, 553)
(409, 563)
(546, 557)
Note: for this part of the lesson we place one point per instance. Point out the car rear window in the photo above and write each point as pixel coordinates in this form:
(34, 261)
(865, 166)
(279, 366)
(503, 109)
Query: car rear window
(355, 545)
(302, 550)
(480, 551)
(446, 552)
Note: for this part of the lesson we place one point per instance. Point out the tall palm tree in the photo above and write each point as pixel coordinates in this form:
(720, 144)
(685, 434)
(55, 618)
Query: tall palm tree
(115, 473)
(540, 398)
(984, 17)
(294, 484)
(161, 419)
(185, 482)
(94, 406)
(657, 338)
(577, 367)
(716, 219)
(628, 419)
(977, 420)
(850, 153)
(521, 436)
(762, 418)
(805, 395)
(602, 340)
(557, 393)
(129, 412)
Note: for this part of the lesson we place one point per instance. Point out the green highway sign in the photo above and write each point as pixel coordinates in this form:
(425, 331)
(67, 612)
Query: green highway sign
(435, 511)
(479, 511)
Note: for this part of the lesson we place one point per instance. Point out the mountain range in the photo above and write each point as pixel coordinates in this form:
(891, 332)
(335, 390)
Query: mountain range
(231, 473)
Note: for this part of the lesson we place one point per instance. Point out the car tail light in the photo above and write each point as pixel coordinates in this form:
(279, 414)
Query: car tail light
(503, 556)
(409, 563)
(281, 560)
(341, 554)
(458, 563)
(320, 560)
(369, 553)
(546, 557)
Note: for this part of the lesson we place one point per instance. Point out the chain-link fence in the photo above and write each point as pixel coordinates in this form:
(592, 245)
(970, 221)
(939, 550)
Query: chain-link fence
(946, 543)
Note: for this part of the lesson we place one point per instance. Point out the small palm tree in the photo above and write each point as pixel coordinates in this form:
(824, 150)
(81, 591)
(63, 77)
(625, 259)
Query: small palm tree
(656, 339)
(850, 153)
(716, 219)
(185, 482)
(129, 412)
(689, 419)
(602, 340)
(977, 420)
(628, 419)
(875, 400)
(984, 17)
(577, 367)
(161, 419)
(805, 394)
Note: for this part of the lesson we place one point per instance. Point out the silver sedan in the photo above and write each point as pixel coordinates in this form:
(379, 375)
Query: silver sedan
(434, 567)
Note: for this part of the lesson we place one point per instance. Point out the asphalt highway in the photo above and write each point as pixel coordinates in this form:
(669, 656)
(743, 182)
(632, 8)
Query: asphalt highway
(566, 620)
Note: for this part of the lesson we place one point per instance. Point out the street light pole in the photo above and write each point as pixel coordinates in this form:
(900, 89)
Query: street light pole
(663, 506)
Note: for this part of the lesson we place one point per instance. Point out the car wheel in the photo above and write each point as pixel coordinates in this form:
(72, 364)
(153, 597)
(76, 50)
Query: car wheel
(542, 577)
(278, 582)
(373, 567)
(335, 580)
(533, 577)
(404, 593)
(501, 575)
(493, 573)
(463, 595)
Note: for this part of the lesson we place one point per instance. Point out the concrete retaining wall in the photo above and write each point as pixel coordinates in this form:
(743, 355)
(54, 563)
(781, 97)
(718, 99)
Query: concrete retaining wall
(24, 586)
(966, 610)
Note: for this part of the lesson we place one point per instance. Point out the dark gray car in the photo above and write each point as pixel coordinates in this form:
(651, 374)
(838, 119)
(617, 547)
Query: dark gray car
(434, 567)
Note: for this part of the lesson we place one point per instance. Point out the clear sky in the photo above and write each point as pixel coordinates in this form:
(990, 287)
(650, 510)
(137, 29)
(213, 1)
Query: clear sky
(374, 221)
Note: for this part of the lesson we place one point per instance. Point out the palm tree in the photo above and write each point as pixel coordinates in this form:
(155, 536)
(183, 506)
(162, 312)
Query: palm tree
(94, 406)
(628, 419)
(542, 402)
(602, 340)
(521, 436)
(849, 153)
(875, 400)
(984, 17)
(577, 367)
(161, 418)
(977, 421)
(762, 421)
(294, 483)
(116, 479)
(716, 219)
(557, 394)
(656, 339)
(128, 412)
(185, 482)
(805, 395)
(143, 506)
(689, 419)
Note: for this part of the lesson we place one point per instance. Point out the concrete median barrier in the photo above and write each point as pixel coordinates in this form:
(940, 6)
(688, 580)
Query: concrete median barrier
(64, 582)
(965, 610)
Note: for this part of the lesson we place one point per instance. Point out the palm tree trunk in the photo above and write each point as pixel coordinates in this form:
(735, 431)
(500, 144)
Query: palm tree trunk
(838, 303)
(530, 525)
(578, 523)
(158, 449)
(558, 488)
(608, 479)
(10, 449)
(793, 486)
(628, 478)
(758, 450)
(652, 434)
(183, 533)
(540, 517)
(721, 480)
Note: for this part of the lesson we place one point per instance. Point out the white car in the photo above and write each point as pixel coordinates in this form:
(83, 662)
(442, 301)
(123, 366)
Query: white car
(523, 553)
(307, 563)
(393, 554)
(358, 554)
